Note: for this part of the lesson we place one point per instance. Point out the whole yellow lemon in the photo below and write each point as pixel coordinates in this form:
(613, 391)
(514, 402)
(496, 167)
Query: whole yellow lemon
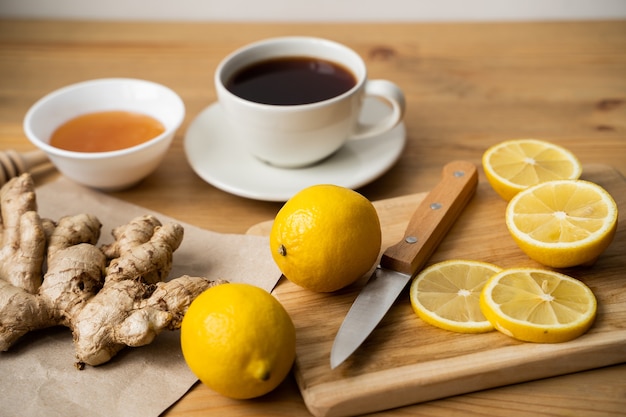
(238, 340)
(325, 237)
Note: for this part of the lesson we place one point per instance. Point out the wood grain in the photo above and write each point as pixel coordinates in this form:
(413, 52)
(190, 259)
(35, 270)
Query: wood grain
(468, 86)
(406, 361)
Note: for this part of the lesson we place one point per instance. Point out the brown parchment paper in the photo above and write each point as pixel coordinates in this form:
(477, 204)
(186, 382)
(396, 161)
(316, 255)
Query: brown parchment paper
(37, 375)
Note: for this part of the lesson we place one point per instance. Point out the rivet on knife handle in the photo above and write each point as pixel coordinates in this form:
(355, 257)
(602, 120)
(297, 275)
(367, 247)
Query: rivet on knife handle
(433, 218)
(426, 228)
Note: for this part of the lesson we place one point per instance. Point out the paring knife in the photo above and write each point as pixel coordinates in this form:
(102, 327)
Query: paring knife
(400, 262)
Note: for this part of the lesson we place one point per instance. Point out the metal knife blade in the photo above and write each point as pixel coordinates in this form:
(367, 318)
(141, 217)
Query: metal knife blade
(399, 263)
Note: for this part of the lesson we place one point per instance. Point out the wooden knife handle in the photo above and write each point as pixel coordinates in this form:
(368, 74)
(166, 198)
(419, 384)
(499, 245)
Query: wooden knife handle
(433, 218)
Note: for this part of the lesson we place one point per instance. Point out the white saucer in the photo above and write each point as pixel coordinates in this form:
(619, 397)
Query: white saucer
(220, 160)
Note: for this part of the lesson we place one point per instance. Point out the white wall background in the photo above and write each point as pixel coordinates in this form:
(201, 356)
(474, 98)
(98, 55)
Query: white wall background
(316, 10)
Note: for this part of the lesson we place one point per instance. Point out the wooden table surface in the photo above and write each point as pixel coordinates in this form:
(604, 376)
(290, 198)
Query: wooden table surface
(467, 86)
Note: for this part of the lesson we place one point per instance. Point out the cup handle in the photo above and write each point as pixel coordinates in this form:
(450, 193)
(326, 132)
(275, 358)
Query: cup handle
(389, 93)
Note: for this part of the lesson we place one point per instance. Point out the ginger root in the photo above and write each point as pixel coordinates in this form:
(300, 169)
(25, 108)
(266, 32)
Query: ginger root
(109, 297)
(21, 234)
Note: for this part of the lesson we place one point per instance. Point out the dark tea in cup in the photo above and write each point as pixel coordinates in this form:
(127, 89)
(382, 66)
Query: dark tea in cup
(294, 101)
(288, 81)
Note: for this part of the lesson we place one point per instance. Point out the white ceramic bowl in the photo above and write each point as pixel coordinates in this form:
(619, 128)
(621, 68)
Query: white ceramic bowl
(113, 170)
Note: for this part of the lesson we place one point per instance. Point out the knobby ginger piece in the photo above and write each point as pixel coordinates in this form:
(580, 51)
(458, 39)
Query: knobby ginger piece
(110, 297)
(151, 260)
(130, 313)
(21, 234)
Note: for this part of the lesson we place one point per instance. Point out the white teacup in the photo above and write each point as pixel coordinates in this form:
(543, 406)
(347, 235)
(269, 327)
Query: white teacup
(297, 135)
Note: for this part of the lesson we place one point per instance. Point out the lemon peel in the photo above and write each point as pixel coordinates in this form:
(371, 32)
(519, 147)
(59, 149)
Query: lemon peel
(238, 340)
(326, 237)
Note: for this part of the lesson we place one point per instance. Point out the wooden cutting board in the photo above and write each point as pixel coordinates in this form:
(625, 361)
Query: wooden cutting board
(406, 361)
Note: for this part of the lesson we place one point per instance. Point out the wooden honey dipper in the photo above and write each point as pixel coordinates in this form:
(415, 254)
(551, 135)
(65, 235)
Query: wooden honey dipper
(13, 164)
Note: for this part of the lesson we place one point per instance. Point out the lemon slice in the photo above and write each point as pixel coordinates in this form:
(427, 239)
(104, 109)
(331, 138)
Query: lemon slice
(447, 295)
(563, 223)
(536, 305)
(514, 165)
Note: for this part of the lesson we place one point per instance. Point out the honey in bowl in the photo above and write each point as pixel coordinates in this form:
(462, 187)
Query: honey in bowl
(106, 131)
